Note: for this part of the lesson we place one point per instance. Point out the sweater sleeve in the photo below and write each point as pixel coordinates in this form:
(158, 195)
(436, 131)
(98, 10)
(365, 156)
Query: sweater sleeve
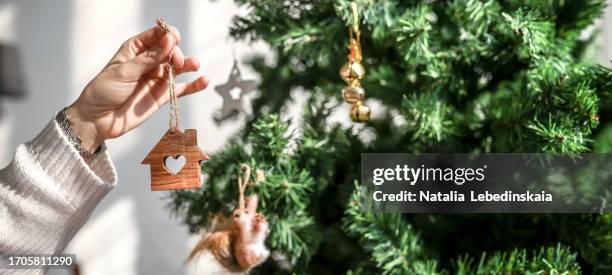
(48, 192)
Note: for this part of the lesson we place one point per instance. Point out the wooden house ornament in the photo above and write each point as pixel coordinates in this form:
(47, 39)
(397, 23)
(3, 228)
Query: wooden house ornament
(172, 145)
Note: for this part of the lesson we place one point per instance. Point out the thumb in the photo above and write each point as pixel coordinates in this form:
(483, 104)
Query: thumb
(147, 60)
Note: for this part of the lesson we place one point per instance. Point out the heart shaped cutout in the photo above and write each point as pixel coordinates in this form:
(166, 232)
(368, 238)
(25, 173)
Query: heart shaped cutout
(174, 164)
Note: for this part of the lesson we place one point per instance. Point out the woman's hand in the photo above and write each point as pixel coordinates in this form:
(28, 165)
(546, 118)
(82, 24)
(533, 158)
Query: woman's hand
(131, 87)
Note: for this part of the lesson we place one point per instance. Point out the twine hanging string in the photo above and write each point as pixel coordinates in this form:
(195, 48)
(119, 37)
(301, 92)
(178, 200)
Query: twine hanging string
(242, 185)
(174, 118)
(354, 10)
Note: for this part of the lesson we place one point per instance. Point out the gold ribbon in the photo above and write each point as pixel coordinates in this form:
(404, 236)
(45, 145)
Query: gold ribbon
(355, 36)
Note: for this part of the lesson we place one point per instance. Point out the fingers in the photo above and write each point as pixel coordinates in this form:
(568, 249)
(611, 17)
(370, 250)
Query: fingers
(151, 59)
(153, 95)
(144, 41)
(190, 64)
(191, 87)
(162, 96)
(178, 59)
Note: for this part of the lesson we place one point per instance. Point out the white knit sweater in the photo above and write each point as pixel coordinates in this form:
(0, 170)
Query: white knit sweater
(47, 193)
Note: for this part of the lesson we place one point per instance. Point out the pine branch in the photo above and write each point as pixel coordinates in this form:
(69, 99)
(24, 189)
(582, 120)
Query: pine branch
(295, 236)
(534, 34)
(558, 136)
(429, 118)
(412, 34)
(269, 137)
(552, 260)
(285, 189)
(394, 246)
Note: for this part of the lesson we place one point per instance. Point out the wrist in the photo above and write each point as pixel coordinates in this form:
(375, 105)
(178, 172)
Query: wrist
(85, 129)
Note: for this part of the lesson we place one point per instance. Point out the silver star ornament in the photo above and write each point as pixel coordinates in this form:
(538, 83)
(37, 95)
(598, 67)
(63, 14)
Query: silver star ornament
(233, 93)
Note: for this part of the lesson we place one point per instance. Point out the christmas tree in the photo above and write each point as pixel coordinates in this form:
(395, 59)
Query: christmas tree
(465, 76)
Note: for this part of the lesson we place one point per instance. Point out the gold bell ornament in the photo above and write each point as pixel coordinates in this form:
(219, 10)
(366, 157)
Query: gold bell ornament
(353, 72)
(360, 112)
(353, 94)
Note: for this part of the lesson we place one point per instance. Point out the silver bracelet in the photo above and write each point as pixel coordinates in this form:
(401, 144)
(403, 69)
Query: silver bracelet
(73, 138)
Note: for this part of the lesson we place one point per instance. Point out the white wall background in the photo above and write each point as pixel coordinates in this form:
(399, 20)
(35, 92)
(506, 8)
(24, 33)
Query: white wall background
(63, 44)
